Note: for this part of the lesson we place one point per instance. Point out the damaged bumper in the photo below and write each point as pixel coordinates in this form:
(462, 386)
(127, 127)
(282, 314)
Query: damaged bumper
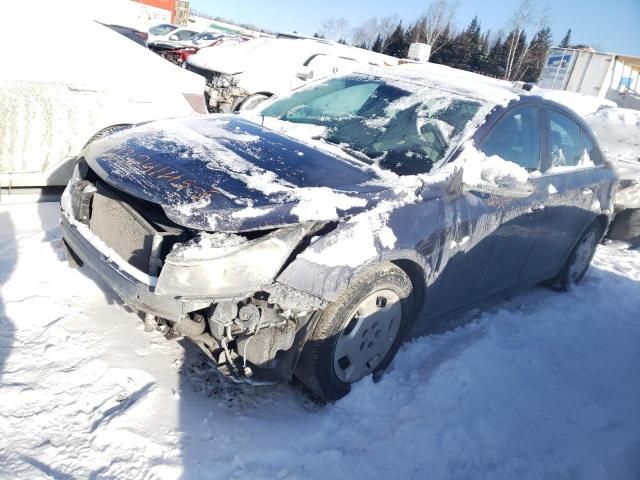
(133, 292)
(213, 293)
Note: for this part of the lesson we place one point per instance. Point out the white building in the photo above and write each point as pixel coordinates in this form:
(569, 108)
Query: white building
(604, 75)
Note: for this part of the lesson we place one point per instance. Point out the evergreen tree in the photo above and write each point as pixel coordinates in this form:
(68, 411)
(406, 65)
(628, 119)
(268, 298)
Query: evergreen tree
(566, 40)
(397, 45)
(497, 59)
(377, 45)
(538, 50)
(466, 48)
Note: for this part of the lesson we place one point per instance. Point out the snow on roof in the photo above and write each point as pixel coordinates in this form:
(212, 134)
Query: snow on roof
(491, 90)
(581, 104)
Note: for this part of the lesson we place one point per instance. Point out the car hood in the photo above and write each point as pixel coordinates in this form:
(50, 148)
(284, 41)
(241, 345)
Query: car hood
(225, 173)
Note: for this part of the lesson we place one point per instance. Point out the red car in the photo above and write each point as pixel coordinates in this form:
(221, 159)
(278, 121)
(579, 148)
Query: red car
(178, 51)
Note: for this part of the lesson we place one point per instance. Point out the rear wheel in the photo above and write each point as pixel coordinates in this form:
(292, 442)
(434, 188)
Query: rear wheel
(578, 262)
(359, 334)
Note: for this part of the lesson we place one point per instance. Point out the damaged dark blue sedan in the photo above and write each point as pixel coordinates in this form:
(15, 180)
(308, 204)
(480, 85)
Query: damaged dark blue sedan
(312, 237)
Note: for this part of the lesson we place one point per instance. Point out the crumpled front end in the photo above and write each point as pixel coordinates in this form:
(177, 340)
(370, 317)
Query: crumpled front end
(222, 91)
(218, 289)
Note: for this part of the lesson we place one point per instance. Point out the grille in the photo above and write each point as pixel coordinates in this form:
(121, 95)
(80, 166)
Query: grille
(122, 229)
(210, 76)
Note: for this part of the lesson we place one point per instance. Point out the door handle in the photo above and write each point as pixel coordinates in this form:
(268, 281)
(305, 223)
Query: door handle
(587, 191)
(536, 208)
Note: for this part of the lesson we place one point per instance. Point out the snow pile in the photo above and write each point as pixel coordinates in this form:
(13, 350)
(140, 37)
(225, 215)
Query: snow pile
(541, 386)
(559, 160)
(479, 170)
(322, 203)
(450, 79)
(52, 102)
(618, 131)
(355, 243)
(581, 104)
(208, 246)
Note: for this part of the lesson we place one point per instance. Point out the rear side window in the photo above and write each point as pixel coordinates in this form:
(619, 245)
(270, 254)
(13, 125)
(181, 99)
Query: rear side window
(590, 153)
(565, 143)
(185, 34)
(516, 138)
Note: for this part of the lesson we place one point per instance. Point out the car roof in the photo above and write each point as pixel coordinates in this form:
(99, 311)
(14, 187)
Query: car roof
(486, 89)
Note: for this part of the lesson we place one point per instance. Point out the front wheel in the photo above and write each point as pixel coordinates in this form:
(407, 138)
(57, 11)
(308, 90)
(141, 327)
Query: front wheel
(359, 334)
(578, 262)
(252, 101)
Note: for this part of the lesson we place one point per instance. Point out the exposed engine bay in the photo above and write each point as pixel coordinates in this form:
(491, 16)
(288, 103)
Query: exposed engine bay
(252, 335)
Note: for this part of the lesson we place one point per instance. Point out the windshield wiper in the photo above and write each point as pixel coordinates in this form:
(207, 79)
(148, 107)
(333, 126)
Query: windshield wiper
(349, 151)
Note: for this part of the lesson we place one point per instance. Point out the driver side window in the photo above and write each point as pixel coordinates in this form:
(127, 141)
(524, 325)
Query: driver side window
(516, 138)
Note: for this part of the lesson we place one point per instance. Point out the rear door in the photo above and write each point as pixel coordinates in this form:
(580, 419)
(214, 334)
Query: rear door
(573, 177)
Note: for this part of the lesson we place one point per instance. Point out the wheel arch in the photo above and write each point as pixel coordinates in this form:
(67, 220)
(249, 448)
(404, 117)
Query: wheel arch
(244, 100)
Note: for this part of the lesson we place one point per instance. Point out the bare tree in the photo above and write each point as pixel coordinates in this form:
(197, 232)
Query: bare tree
(367, 32)
(334, 28)
(436, 18)
(386, 27)
(526, 17)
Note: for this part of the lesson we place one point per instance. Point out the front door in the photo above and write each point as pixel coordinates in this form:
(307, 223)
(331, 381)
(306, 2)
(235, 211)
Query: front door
(492, 235)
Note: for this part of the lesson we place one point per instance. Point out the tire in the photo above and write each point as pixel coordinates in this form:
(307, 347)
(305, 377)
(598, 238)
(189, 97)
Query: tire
(626, 226)
(579, 260)
(385, 292)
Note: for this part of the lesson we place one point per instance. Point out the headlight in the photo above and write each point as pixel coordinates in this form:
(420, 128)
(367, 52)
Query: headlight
(215, 266)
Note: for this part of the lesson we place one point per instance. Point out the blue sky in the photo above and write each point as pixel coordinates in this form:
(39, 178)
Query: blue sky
(612, 26)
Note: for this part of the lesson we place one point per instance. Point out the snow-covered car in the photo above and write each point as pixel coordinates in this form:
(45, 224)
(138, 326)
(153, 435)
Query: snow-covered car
(131, 33)
(239, 77)
(311, 238)
(52, 104)
(618, 131)
(170, 32)
(179, 51)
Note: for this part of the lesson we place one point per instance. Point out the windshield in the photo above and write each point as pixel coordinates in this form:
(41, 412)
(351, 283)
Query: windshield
(404, 131)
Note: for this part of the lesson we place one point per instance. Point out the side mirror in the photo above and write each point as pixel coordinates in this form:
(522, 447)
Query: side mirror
(500, 177)
(305, 74)
(505, 188)
(173, 37)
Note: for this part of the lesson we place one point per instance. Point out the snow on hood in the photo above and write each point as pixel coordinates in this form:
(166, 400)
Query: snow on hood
(224, 173)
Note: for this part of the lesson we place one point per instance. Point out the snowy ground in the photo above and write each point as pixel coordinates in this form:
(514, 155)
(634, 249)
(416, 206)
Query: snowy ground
(545, 385)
